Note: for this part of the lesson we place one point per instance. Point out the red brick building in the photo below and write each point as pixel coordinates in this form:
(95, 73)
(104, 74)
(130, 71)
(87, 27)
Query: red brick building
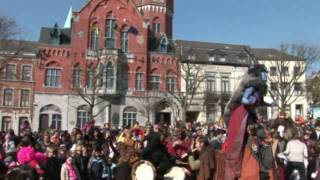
(17, 63)
(113, 53)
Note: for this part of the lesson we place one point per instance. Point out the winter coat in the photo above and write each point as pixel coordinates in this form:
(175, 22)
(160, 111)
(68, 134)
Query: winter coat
(64, 174)
(98, 169)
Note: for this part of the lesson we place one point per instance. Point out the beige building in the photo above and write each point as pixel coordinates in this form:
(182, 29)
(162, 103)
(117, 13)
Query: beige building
(287, 81)
(215, 71)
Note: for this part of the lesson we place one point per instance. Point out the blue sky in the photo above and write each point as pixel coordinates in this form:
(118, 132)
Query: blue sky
(258, 23)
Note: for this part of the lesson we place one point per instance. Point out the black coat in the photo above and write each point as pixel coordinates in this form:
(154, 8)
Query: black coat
(52, 169)
(157, 153)
(314, 136)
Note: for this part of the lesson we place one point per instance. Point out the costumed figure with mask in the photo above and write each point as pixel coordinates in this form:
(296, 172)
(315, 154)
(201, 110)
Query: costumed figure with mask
(239, 115)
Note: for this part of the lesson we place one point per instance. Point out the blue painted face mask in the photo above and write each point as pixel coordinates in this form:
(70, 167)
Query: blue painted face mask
(264, 76)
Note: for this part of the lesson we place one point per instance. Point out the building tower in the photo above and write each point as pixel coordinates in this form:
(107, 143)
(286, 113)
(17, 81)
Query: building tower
(158, 14)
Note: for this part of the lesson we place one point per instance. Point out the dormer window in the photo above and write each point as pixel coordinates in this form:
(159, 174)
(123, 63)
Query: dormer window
(217, 55)
(211, 58)
(222, 58)
(242, 58)
(191, 57)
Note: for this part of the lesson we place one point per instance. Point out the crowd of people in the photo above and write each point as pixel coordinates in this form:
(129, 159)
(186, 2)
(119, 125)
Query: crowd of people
(282, 149)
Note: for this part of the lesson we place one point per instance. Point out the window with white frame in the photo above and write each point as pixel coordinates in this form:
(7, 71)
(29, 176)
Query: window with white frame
(101, 74)
(24, 98)
(6, 124)
(26, 73)
(10, 72)
(285, 70)
(8, 97)
(191, 82)
(225, 84)
(124, 41)
(110, 76)
(171, 82)
(129, 116)
(274, 89)
(156, 27)
(56, 121)
(90, 77)
(76, 77)
(223, 58)
(154, 82)
(110, 33)
(94, 41)
(273, 71)
(83, 116)
(139, 80)
(52, 78)
(298, 88)
(297, 71)
(210, 82)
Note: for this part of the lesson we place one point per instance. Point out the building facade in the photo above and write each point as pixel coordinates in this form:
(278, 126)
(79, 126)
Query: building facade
(287, 83)
(18, 60)
(115, 61)
(114, 53)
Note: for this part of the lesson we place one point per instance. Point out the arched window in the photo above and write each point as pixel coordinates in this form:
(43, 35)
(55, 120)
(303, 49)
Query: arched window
(50, 113)
(129, 116)
(110, 33)
(8, 97)
(83, 115)
(110, 75)
(139, 80)
(76, 76)
(94, 38)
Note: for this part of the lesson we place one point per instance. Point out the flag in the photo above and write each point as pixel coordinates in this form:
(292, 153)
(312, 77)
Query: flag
(133, 30)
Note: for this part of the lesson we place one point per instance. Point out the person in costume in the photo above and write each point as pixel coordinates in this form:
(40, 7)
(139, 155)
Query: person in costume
(239, 113)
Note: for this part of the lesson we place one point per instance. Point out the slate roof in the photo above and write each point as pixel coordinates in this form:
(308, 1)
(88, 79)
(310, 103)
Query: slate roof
(18, 46)
(45, 36)
(202, 51)
(272, 54)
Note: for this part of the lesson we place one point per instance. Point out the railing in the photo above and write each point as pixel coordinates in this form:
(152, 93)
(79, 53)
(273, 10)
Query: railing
(101, 53)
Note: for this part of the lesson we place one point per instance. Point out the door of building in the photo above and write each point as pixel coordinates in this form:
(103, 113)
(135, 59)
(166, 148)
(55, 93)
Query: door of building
(163, 117)
(44, 122)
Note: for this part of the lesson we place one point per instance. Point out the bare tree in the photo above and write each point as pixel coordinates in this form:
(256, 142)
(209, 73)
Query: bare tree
(93, 93)
(8, 31)
(8, 28)
(287, 86)
(313, 86)
(148, 101)
(191, 78)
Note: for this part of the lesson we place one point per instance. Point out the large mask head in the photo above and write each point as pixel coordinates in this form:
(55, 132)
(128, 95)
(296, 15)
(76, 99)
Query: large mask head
(259, 70)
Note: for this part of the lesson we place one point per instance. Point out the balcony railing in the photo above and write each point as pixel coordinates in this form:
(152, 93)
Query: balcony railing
(215, 96)
(101, 53)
